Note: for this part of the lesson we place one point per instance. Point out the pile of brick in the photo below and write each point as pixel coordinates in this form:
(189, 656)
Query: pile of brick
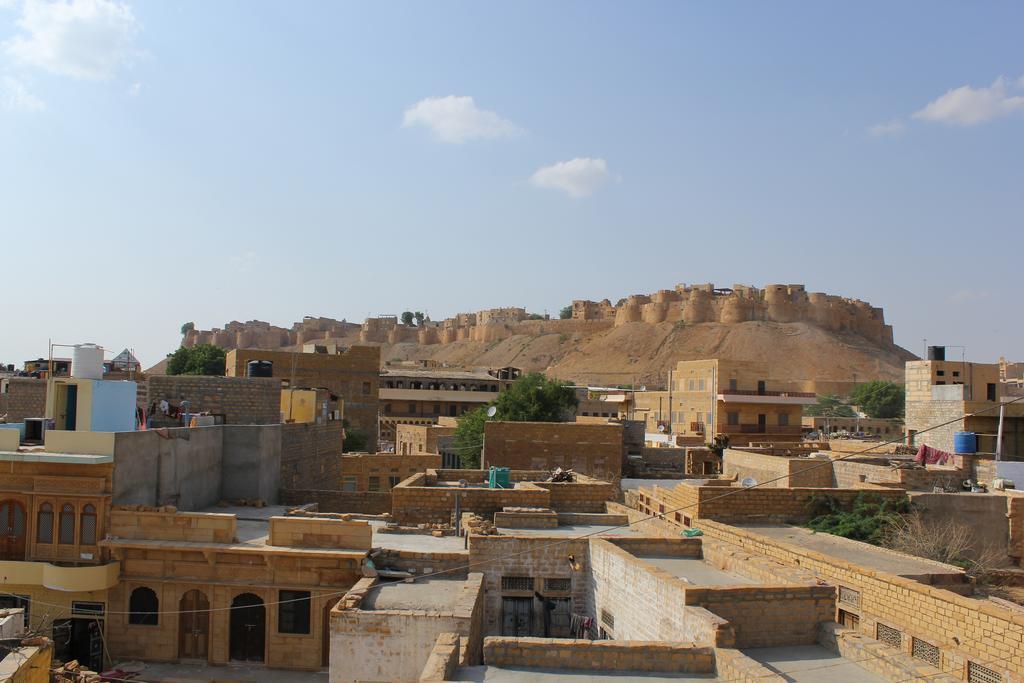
(475, 525)
(144, 508)
(73, 672)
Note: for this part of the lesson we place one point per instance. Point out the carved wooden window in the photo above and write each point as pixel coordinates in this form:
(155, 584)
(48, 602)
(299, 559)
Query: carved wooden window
(67, 525)
(44, 524)
(88, 526)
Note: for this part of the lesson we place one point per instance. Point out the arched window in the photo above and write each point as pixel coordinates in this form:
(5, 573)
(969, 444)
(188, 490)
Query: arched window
(88, 526)
(143, 607)
(67, 525)
(44, 524)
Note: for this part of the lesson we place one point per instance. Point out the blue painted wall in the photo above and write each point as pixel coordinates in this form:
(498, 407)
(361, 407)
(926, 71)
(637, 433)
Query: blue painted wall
(113, 406)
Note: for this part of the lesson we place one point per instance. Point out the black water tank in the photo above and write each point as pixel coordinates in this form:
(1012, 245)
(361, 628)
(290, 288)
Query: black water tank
(259, 368)
(936, 353)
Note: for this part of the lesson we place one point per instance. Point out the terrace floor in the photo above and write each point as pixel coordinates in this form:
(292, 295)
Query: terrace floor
(810, 664)
(493, 674)
(435, 595)
(696, 571)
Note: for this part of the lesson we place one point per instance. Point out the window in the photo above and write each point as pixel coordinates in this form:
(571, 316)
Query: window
(849, 619)
(67, 525)
(14, 601)
(976, 673)
(562, 585)
(889, 636)
(700, 384)
(44, 524)
(348, 483)
(517, 583)
(990, 392)
(733, 385)
(783, 419)
(373, 484)
(366, 388)
(607, 618)
(92, 609)
(732, 418)
(940, 373)
(412, 408)
(143, 607)
(88, 526)
(393, 482)
(293, 612)
(437, 409)
(926, 652)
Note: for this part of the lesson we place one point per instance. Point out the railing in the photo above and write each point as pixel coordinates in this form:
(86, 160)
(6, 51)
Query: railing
(754, 392)
(758, 429)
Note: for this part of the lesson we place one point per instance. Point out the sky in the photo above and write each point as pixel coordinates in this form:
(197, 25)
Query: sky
(164, 162)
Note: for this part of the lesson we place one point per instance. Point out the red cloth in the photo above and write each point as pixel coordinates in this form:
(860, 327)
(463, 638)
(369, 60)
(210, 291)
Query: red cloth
(926, 455)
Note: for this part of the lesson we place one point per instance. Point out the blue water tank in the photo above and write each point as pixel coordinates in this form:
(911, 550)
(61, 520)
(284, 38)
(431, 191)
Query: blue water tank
(499, 478)
(965, 442)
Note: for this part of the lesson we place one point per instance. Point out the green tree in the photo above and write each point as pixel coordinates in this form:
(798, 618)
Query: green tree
(407, 318)
(187, 327)
(531, 398)
(355, 439)
(829, 406)
(880, 398)
(870, 518)
(565, 313)
(418, 315)
(202, 359)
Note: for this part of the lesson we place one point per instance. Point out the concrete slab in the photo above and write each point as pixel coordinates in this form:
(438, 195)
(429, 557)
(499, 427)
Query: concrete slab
(200, 672)
(629, 484)
(696, 571)
(421, 543)
(574, 530)
(492, 674)
(863, 554)
(435, 595)
(811, 663)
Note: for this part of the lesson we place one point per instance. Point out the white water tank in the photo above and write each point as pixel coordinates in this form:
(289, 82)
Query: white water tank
(87, 361)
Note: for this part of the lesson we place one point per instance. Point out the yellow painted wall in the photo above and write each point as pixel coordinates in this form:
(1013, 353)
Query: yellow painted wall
(298, 405)
(56, 398)
(79, 442)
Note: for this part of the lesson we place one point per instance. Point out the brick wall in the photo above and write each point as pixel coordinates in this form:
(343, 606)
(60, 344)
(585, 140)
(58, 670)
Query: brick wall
(383, 467)
(360, 502)
(25, 397)
(848, 474)
(311, 456)
(443, 661)
(595, 450)
(764, 468)
(922, 415)
(242, 400)
(314, 532)
(173, 526)
(963, 628)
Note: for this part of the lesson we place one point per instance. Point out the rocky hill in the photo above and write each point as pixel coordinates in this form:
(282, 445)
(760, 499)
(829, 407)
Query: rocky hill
(826, 342)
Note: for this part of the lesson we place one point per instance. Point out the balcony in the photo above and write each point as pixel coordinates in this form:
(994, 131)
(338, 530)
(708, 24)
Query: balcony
(437, 395)
(771, 430)
(68, 579)
(789, 398)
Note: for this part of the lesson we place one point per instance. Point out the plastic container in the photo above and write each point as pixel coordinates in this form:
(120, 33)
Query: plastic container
(965, 442)
(259, 368)
(87, 361)
(499, 478)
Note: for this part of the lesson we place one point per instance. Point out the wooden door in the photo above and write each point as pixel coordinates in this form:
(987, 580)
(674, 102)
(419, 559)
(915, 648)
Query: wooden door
(325, 659)
(193, 626)
(517, 617)
(248, 631)
(12, 530)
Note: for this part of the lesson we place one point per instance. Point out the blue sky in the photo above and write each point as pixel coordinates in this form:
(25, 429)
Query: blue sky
(164, 162)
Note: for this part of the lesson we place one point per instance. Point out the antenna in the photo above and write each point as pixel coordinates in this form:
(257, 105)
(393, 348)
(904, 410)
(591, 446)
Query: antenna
(748, 482)
(492, 411)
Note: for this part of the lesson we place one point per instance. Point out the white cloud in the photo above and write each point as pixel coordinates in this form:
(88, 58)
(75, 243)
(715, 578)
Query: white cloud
(14, 96)
(457, 119)
(967, 106)
(134, 89)
(244, 262)
(894, 127)
(577, 177)
(85, 39)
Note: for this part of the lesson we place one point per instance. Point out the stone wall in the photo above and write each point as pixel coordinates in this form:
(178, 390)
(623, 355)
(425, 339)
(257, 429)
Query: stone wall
(173, 526)
(316, 532)
(395, 644)
(311, 455)
(601, 655)
(333, 500)
(382, 471)
(596, 450)
(25, 397)
(241, 400)
(785, 471)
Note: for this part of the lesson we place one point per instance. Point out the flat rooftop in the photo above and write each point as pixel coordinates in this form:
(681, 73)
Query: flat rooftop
(420, 543)
(810, 664)
(696, 571)
(252, 523)
(863, 554)
(435, 595)
(494, 674)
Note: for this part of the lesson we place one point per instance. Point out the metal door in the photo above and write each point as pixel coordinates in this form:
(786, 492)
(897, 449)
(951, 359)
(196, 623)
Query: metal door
(517, 616)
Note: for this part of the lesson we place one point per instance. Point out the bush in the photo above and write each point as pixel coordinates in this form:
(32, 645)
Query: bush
(869, 519)
(202, 359)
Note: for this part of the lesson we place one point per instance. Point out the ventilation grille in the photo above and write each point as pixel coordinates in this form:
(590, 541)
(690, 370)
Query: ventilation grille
(517, 583)
(849, 596)
(889, 636)
(976, 673)
(925, 652)
(607, 618)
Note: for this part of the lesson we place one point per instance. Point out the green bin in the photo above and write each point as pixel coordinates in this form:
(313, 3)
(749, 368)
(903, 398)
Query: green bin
(499, 478)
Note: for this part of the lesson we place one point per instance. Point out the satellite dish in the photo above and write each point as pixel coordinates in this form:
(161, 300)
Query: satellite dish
(492, 411)
(748, 482)
(661, 428)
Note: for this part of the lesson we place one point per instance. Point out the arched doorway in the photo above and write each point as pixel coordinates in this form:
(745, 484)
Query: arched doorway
(248, 628)
(12, 530)
(193, 625)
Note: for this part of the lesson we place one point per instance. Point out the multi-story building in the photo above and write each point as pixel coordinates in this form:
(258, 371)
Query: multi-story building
(420, 396)
(351, 374)
(961, 396)
(738, 399)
